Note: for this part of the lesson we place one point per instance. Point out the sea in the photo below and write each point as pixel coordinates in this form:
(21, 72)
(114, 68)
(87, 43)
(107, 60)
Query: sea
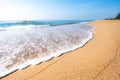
(25, 43)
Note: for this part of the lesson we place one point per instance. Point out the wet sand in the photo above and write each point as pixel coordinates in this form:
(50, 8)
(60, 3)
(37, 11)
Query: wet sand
(99, 59)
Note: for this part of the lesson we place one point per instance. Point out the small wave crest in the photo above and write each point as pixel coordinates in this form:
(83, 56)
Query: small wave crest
(23, 46)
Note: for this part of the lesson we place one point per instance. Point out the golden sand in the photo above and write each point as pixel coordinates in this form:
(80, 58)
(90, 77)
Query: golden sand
(99, 59)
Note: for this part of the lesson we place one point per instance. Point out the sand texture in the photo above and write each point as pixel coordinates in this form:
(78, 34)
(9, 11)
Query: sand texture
(99, 59)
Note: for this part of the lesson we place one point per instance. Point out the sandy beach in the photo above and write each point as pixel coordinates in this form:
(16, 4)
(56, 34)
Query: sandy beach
(99, 59)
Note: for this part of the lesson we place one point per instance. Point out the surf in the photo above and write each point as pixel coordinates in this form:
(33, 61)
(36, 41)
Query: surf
(24, 45)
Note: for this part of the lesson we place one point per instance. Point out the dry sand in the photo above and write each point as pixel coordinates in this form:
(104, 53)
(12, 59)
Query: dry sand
(99, 59)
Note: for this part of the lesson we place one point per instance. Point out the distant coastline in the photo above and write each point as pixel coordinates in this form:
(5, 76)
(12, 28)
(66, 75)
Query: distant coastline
(115, 18)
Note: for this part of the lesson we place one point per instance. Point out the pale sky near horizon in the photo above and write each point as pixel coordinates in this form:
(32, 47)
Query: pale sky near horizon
(58, 9)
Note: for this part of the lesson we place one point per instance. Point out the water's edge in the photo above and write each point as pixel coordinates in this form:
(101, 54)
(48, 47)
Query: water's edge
(31, 62)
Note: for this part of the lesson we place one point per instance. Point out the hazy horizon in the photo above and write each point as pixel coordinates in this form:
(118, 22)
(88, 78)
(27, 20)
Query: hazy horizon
(58, 9)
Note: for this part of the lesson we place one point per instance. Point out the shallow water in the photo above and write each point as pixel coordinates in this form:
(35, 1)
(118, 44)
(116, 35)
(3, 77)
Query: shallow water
(31, 44)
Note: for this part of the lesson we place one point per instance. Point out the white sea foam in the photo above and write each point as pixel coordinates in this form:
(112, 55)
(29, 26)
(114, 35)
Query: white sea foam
(29, 45)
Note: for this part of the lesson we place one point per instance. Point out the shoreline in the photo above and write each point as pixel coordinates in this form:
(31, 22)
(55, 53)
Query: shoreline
(88, 32)
(83, 63)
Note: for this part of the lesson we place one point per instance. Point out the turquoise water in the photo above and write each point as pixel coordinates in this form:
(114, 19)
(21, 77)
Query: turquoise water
(39, 22)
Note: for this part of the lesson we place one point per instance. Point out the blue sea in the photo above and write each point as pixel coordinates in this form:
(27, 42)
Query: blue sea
(24, 43)
(10, 23)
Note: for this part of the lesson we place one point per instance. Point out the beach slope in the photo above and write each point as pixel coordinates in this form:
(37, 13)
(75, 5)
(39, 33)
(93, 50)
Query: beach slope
(99, 59)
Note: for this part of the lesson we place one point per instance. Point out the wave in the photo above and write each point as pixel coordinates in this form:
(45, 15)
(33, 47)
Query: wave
(23, 46)
(40, 23)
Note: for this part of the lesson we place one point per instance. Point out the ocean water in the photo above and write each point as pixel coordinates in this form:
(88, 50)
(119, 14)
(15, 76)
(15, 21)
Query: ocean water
(24, 43)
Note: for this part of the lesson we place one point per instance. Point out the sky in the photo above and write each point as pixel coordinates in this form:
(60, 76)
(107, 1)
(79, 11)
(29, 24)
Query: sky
(58, 9)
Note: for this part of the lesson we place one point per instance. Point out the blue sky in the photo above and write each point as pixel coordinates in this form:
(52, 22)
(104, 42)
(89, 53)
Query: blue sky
(58, 9)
